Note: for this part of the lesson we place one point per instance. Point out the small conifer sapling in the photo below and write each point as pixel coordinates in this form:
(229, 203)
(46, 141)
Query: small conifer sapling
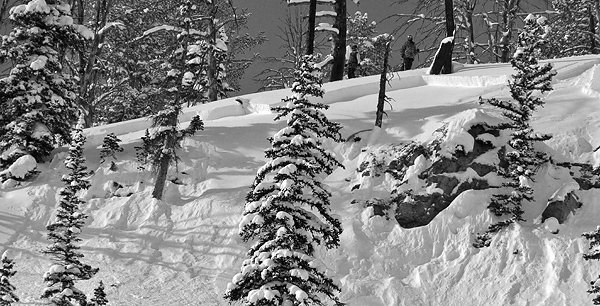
(99, 298)
(110, 146)
(143, 151)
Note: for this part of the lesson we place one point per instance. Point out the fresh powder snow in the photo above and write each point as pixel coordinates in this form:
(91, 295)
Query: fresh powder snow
(184, 250)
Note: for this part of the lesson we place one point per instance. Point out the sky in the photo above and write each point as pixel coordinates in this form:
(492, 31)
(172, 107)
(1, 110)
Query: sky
(266, 15)
(185, 250)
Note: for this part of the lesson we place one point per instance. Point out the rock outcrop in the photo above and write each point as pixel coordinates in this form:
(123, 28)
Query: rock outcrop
(449, 176)
(562, 208)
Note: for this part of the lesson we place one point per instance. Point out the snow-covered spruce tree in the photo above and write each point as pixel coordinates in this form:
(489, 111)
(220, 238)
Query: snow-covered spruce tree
(64, 232)
(110, 146)
(522, 159)
(177, 88)
(99, 298)
(7, 290)
(287, 212)
(38, 98)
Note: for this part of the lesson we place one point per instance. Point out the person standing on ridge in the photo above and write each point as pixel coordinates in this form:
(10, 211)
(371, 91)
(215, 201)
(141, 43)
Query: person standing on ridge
(408, 51)
(352, 61)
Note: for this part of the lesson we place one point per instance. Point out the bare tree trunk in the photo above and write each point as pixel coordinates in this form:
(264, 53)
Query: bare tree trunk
(592, 31)
(339, 40)
(382, 82)
(490, 36)
(597, 10)
(163, 168)
(469, 8)
(508, 20)
(87, 75)
(213, 92)
(449, 7)
(470, 37)
(310, 40)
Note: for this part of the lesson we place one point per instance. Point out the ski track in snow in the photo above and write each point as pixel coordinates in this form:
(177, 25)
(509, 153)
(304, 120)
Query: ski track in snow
(185, 250)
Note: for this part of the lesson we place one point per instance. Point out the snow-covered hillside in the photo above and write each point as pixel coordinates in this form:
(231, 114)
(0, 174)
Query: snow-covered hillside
(185, 249)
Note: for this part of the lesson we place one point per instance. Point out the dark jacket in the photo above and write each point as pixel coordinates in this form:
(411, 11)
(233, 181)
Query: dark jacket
(353, 60)
(409, 50)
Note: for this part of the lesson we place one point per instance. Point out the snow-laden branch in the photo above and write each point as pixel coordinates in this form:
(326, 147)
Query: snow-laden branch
(110, 25)
(166, 27)
(326, 14)
(323, 26)
(549, 12)
(303, 2)
(416, 17)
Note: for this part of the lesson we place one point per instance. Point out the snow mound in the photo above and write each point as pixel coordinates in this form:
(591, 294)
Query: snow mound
(465, 81)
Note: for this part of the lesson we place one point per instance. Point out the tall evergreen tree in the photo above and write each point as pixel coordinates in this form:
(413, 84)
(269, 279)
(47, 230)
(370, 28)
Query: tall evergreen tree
(65, 230)
(7, 290)
(177, 88)
(521, 158)
(287, 212)
(38, 99)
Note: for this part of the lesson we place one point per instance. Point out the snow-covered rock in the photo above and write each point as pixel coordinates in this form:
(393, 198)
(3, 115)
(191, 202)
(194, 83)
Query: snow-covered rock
(22, 167)
(9, 183)
(562, 203)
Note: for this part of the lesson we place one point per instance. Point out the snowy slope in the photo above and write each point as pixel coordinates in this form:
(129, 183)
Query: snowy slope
(184, 250)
